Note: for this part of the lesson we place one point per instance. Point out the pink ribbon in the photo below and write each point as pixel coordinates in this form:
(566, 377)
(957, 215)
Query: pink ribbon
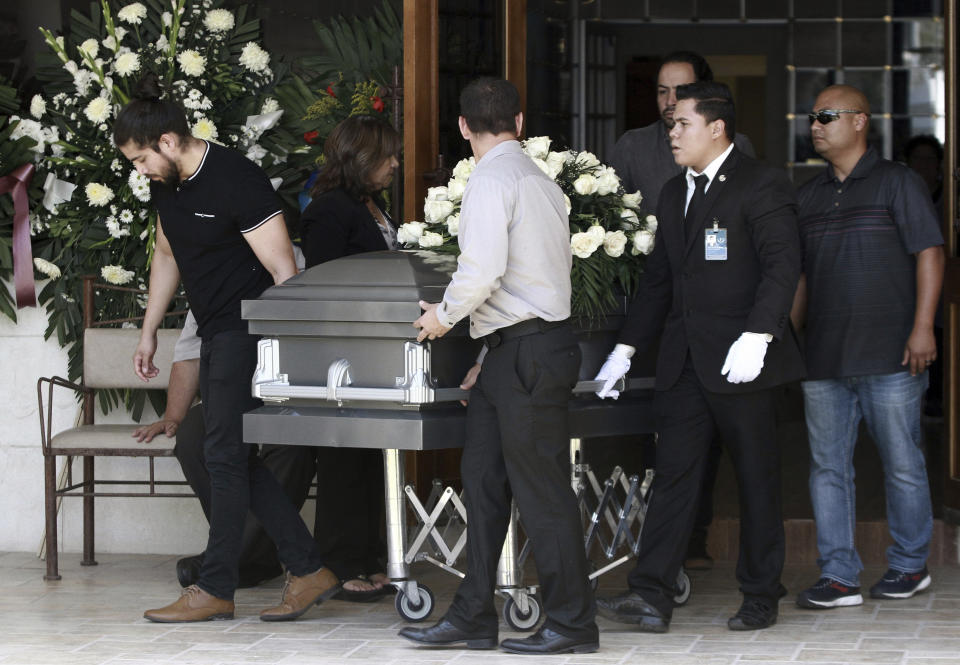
(17, 184)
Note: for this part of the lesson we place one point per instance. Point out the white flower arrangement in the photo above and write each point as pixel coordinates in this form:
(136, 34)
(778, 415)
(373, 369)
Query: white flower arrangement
(89, 48)
(464, 168)
(127, 63)
(219, 20)
(37, 107)
(98, 110)
(614, 242)
(410, 232)
(139, 186)
(98, 194)
(430, 239)
(453, 225)
(134, 13)
(254, 58)
(47, 268)
(96, 210)
(203, 128)
(643, 241)
(601, 215)
(116, 275)
(192, 63)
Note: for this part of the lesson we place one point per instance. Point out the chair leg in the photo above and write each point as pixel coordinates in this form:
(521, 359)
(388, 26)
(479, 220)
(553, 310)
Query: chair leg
(88, 488)
(50, 510)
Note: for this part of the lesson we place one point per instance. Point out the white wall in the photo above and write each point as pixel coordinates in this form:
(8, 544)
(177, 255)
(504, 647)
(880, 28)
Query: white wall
(160, 526)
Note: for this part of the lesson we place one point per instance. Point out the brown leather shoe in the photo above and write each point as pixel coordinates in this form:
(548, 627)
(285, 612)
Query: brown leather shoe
(301, 593)
(194, 604)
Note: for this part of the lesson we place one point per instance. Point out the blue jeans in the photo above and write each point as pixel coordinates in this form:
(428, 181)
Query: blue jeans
(890, 404)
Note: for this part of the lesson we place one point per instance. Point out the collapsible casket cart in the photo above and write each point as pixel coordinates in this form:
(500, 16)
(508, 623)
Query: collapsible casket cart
(338, 367)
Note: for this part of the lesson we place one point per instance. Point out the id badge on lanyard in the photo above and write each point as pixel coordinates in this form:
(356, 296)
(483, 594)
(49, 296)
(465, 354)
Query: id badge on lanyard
(715, 242)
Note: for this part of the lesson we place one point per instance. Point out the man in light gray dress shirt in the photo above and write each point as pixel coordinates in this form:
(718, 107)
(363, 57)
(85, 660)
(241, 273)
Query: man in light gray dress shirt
(513, 281)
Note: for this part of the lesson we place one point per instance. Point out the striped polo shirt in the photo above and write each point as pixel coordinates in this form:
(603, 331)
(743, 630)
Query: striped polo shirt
(859, 239)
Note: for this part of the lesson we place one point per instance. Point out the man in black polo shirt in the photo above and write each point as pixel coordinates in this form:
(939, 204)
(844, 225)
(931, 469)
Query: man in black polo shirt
(873, 263)
(220, 229)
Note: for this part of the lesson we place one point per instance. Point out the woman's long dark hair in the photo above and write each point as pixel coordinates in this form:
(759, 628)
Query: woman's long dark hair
(354, 149)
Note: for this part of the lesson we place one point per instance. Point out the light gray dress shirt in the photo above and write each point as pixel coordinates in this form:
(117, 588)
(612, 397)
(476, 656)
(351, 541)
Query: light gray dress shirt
(514, 241)
(644, 161)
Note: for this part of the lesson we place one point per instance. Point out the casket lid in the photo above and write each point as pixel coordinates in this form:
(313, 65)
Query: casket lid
(373, 286)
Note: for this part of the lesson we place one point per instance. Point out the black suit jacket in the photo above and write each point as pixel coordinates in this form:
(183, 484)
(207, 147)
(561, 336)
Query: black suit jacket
(334, 225)
(701, 306)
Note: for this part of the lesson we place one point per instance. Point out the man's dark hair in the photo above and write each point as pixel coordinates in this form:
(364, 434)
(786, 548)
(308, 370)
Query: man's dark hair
(701, 70)
(354, 149)
(490, 105)
(923, 139)
(714, 102)
(145, 119)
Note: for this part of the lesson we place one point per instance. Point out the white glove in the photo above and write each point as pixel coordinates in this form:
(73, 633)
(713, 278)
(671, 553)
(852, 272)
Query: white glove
(615, 368)
(745, 357)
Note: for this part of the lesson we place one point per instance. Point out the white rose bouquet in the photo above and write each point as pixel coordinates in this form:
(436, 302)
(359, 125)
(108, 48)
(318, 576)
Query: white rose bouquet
(609, 236)
(95, 214)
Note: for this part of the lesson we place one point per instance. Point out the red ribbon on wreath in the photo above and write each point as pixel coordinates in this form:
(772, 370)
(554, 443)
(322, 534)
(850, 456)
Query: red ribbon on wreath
(16, 184)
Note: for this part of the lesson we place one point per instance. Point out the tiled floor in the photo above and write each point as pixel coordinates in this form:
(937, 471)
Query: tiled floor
(92, 617)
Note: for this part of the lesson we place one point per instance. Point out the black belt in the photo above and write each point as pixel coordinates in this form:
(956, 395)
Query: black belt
(522, 329)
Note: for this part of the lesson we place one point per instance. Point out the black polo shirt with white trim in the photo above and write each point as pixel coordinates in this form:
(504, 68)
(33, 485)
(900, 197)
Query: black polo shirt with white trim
(859, 238)
(204, 218)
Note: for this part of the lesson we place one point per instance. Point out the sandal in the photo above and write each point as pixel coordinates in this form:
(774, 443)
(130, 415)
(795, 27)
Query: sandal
(384, 581)
(359, 595)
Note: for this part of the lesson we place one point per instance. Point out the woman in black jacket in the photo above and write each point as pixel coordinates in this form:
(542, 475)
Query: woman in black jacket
(347, 216)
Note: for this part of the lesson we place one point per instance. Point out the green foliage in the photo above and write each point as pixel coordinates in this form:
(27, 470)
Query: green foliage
(358, 49)
(346, 78)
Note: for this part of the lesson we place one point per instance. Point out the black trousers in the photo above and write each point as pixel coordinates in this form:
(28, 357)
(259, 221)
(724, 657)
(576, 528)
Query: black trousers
(350, 504)
(688, 418)
(239, 481)
(517, 447)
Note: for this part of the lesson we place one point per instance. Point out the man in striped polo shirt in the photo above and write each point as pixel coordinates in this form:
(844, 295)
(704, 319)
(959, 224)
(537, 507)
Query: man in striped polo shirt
(873, 266)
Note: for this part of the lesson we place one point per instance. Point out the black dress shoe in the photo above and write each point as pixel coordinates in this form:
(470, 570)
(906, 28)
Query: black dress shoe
(444, 633)
(630, 607)
(188, 570)
(546, 641)
(753, 614)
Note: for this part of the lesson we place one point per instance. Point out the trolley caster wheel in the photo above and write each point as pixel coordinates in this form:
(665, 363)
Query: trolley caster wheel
(682, 594)
(415, 610)
(519, 621)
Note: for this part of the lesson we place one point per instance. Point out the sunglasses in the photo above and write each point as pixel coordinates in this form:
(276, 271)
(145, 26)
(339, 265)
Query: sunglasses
(827, 116)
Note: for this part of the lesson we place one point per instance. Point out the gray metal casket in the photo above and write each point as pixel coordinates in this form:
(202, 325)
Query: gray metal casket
(340, 366)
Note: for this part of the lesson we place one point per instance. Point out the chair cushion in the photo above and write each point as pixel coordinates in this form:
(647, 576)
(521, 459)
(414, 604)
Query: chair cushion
(109, 440)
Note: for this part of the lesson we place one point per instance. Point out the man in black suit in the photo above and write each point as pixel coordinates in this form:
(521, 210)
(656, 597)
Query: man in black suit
(717, 294)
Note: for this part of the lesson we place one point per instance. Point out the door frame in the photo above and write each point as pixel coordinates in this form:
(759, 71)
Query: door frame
(951, 280)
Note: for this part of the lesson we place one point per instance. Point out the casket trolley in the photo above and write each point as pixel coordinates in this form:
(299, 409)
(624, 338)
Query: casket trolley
(338, 366)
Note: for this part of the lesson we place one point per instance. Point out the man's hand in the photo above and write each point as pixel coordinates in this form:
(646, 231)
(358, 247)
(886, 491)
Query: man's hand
(143, 357)
(614, 369)
(428, 324)
(145, 433)
(470, 379)
(745, 358)
(920, 351)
